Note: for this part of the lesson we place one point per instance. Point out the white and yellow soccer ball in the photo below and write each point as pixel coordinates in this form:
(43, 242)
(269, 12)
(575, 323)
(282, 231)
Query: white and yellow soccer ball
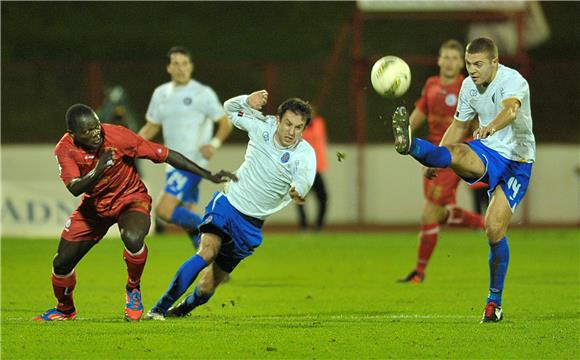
(391, 77)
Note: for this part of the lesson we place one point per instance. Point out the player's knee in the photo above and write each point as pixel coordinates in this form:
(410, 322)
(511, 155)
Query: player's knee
(494, 231)
(61, 265)
(164, 213)
(133, 239)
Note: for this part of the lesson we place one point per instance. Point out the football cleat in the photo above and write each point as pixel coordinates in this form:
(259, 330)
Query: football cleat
(492, 313)
(55, 315)
(133, 305)
(180, 310)
(154, 314)
(402, 130)
(414, 277)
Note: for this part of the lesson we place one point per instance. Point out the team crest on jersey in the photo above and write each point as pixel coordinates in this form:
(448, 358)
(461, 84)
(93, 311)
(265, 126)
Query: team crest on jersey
(266, 136)
(451, 100)
(67, 224)
(187, 101)
(285, 157)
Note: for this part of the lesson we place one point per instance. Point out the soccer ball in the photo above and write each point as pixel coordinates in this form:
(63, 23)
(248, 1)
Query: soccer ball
(391, 77)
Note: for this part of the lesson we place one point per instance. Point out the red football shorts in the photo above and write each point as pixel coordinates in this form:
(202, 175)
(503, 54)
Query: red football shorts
(442, 189)
(88, 223)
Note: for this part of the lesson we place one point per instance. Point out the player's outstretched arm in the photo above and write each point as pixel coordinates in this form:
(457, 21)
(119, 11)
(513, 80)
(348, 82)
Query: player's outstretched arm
(179, 161)
(85, 183)
(455, 133)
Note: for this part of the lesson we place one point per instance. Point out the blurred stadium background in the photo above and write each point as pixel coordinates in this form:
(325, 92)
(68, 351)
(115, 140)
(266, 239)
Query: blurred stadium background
(55, 54)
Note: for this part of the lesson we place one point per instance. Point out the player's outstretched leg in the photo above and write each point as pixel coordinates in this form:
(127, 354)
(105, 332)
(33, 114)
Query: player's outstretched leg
(423, 151)
(190, 302)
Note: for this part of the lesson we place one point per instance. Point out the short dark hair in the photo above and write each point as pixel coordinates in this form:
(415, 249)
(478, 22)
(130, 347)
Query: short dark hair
(75, 113)
(297, 106)
(178, 50)
(451, 44)
(482, 45)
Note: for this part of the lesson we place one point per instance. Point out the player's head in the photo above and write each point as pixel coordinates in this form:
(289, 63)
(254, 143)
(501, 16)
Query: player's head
(83, 125)
(450, 59)
(481, 60)
(293, 116)
(179, 65)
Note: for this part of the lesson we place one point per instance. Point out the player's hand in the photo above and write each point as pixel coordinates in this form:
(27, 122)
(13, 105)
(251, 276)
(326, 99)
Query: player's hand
(207, 151)
(258, 99)
(296, 196)
(483, 132)
(430, 173)
(222, 176)
(105, 161)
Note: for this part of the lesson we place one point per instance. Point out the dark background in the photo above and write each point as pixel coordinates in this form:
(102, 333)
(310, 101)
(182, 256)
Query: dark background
(49, 49)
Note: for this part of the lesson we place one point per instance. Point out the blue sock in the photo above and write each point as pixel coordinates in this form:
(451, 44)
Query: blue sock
(429, 154)
(185, 218)
(188, 220)
(196, 299)
(182, 280)
(499, 257)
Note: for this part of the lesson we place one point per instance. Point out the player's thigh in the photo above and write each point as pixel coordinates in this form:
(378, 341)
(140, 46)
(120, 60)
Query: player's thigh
(166, 205)
(465, 162)
(69, 253)
(209, 246)
(497, 216)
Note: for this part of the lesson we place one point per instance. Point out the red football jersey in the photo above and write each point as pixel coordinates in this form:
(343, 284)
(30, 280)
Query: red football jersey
(439, 102)
(119, 180)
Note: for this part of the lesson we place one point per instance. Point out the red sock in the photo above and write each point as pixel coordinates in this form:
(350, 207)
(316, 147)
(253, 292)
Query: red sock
(135, 265)
(461, 217)
(427, 241)
(63, 287)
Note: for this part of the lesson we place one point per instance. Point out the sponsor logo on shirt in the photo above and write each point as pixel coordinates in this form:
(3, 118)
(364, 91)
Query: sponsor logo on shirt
(89, 157)
(451, 100)
(187, 101)
(473, 92)
(285, 157)
(67, 224)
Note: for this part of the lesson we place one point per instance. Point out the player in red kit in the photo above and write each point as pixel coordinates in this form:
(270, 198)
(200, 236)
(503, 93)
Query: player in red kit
(437, 105)
(99, 160)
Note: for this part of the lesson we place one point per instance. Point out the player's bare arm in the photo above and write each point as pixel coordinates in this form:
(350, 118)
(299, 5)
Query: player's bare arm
(258, 99)
(85, 183)
(455, 133)
(224, 129)
(149, 130)
(296, 197)
(507, 114)
(417, 119)
(179, 161)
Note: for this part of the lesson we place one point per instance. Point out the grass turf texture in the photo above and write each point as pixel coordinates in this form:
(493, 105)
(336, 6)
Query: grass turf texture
(308, 296)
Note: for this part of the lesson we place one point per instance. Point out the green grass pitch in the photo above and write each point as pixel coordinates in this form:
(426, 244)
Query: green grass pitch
(308, 296)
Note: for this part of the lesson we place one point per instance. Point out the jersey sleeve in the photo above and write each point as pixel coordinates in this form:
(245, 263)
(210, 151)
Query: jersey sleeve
(152, 115)
(213, 107)
(465, 111)
(242, 115)
(421, 103)
(68, 168)
(305, 172)
(138, 147)
(517, 88)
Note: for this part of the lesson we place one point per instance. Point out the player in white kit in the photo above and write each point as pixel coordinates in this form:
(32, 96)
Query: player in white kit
(502, 154)
(187, 111)
(278, 167)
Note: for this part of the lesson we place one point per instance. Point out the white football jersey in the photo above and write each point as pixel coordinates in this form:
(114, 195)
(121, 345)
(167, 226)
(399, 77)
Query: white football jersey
(187, 115)
(268, 170)
(516, 141)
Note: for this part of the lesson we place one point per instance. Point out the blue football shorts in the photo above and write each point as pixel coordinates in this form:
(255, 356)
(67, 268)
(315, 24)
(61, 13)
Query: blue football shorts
(512, 176)
(240, 233)
(182, 185)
